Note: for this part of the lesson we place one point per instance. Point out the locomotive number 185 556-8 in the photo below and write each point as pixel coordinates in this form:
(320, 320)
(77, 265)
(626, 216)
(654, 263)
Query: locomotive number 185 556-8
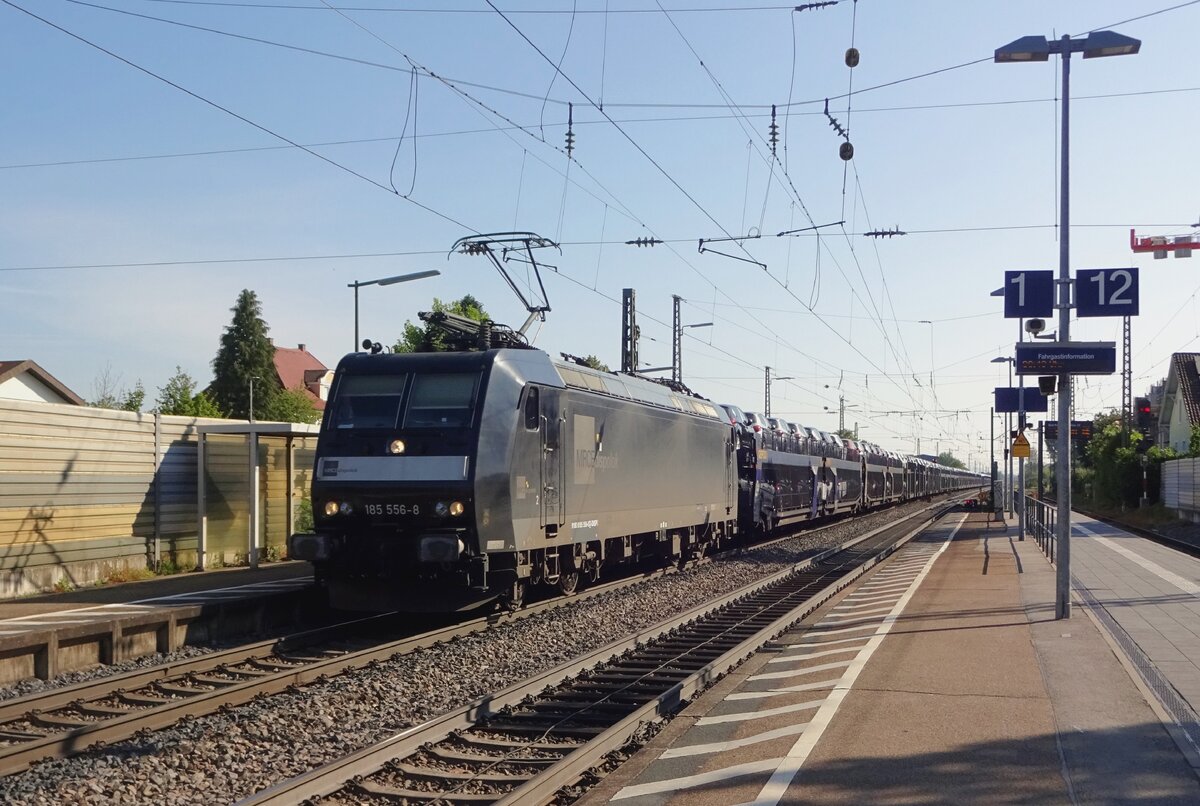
(393, 509)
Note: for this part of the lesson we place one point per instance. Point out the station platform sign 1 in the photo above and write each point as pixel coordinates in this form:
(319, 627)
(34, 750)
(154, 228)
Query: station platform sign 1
(1008, 399)
(1028, 294)
(1075, 357)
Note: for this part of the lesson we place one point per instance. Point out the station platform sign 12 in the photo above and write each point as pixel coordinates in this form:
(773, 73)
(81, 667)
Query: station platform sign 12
(1106, 292)
(1075, 357)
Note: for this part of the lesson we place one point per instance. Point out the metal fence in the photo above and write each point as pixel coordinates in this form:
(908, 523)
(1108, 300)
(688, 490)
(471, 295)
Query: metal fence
(86, 491)
(1181, 487)
(1040, 519)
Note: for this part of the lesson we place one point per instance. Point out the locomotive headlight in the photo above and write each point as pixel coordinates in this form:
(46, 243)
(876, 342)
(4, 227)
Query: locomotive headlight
(331, 508)
(346, 509)
(456, 508)
(396, 447)
(440, 509)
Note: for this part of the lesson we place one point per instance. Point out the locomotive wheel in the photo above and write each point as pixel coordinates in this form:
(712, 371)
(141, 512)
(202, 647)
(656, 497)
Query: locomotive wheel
(568, 583)
(513, 599)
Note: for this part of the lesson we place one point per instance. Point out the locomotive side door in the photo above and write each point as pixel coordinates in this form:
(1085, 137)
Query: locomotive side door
(553, 469)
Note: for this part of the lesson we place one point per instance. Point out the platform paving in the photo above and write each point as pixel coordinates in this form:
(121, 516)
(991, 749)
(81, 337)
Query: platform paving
(103, 602)
(942, 678)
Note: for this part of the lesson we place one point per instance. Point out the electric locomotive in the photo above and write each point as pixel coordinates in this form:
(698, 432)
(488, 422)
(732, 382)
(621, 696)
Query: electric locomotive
(446, 480)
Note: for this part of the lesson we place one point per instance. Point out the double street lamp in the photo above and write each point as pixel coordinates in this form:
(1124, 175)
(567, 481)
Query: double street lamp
(1038, 49)
(399, 278)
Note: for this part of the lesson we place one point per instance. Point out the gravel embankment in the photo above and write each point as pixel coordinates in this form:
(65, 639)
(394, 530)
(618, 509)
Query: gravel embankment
(227, 756)
(33, 685)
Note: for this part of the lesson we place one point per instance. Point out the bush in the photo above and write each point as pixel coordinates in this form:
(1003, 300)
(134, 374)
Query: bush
(304, 515)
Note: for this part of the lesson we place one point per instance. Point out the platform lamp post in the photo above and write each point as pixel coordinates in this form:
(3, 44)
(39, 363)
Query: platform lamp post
(1038, 49)
(1008, 435)
(399, 278)
(253, 378)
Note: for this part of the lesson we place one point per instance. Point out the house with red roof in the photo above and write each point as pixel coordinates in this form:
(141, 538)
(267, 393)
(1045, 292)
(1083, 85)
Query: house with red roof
(25, 380)
(1180, 409)
(298, 368)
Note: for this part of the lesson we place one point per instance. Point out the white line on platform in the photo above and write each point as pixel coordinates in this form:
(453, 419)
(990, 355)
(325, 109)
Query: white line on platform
(851, 614)
(753, 716)
(733, 744)
(775, 692)
(804, 643)
(811, 655)
(781, 779)
(159, 600)
(1185, 585)
(703, 779)
(824, 667)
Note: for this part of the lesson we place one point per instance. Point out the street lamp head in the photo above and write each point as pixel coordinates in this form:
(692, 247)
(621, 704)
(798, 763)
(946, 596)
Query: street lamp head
(404, 278)
(1109, 43)
(1002, 359)
(1025, 49)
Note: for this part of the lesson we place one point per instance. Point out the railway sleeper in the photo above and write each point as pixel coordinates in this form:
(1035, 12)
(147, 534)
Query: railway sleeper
(417, 796)
(617, 697)
(450, 756)
(60, 721)
(591, 711)
(478, 738)
(435, 774)
(526, 726)
(98, 709)
(140, 699)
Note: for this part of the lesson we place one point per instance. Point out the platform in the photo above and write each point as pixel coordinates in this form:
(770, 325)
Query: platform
(41, 636)
(943, 678)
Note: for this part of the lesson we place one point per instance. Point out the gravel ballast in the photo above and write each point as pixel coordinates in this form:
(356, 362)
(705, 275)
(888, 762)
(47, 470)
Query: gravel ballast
(227, 756)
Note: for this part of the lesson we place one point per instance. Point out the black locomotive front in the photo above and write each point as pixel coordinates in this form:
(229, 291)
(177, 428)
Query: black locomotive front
(392, 494)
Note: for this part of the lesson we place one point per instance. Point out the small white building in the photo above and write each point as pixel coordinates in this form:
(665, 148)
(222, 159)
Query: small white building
(25, 380)
(1180, 402)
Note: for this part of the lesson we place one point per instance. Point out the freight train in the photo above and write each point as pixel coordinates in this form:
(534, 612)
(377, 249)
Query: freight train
(447, 480)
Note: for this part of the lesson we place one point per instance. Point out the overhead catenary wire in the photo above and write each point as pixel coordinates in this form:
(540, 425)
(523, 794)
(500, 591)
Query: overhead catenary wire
(238, 116)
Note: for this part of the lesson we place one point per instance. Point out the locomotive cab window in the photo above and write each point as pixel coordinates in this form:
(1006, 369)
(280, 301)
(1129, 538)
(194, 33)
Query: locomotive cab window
(533, 409)
(369, 401)
(441, 400)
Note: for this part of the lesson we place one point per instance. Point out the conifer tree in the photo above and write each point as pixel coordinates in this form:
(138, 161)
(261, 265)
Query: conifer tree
(245, 352)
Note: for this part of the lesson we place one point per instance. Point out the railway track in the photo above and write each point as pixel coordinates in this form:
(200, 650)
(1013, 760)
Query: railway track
(59, 723)
(62, 722)
(522, 745)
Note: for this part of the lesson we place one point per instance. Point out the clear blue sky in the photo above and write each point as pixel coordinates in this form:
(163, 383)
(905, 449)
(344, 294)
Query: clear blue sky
(104, 165)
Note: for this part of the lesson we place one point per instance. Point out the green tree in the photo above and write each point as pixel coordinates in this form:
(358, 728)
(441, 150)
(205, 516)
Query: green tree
(1116, 467)
(109, 393)
(180, 397)
(291, 406)
(846, 433)
(245, 352)
(947, 458)
(134, 398)
(595, 363)
(424, 339)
